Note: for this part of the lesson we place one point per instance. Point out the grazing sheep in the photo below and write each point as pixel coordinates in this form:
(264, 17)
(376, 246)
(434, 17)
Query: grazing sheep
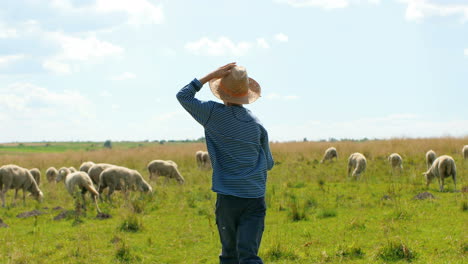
(36, 173)
(166, 168)
(80, 180)
(465, 152)
(206, 160)
(72, 169)
(330, 153)
(15, 177)
(396, 161)
(443, 167)
(198, 157)
(96, 170)
(85, 166)
(430, 157)
(62, 173)
(203, 159)
(121, 178)
(51, 174)
(358, 162)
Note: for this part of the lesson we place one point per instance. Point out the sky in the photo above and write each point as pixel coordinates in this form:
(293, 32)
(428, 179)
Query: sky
(94, 70)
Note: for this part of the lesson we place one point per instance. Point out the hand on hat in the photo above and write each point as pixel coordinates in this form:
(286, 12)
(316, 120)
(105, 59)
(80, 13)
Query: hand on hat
(218, 73)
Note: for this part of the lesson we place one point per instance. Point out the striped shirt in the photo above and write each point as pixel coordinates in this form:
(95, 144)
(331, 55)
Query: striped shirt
(237, 144)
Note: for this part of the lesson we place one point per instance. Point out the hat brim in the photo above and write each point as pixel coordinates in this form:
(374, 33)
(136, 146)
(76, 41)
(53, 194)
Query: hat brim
(253, 93)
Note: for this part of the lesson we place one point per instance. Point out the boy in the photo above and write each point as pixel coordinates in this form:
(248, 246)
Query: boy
(240, 155)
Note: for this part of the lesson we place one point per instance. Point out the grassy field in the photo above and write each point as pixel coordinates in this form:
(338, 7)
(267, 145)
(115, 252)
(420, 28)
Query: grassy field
(315, 214)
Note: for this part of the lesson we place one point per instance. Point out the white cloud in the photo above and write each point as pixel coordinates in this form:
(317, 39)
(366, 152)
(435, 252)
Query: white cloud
(262, 43)
(35, 113)
(56, 66)
(7, 32)
(105, 93)
(466, 52)
(28, 101)
(138, 12)
(325, 4)
(9, 59)
(123, 76)
(221, 47)
(77, 49)
(417, 10)
(281, 37)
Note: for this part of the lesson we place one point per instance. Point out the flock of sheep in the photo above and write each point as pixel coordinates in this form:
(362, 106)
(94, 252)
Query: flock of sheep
(91, 177)
(437, 167)
(95, 178)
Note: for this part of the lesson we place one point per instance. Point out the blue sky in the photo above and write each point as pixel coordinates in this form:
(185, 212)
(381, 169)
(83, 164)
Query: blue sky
(110, 69)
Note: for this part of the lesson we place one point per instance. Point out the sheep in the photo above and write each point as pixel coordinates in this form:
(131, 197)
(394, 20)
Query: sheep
(203, 159)
(62, 173)
(96, 170)
(395, 161)
(465, 152)
(166, 168)
(330, 153)
(358, 162)
(121, 178)
(36, 173)
(443, 167)
(85, 166)
(15, 177)
(51, 174)
(80, 180)
(430, 157)
(72, 169)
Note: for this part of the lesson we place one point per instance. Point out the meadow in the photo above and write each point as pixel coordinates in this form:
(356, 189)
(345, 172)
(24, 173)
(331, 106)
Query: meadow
(315, 213)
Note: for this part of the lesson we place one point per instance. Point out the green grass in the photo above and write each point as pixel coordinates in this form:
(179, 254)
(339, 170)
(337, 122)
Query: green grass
(315, 215)
(53, 147)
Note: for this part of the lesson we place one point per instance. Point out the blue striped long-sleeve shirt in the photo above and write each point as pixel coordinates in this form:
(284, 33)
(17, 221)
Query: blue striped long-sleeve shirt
(237, 144)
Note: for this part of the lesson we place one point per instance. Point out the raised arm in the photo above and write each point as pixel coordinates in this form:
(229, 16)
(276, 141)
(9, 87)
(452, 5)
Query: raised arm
(200, 110)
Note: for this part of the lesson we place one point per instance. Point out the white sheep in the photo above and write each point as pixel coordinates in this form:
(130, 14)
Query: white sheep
(443, 167)
(36, 173)
(96, 170)
(330, 153)
(51, 174)
(78, 180)
(395, 161)
(203, 159)
(166, 168)
(465, 152)
(85, 166)
(72, 169)
(121, 178)
(356, 163)
(15, 177)
(430, 157)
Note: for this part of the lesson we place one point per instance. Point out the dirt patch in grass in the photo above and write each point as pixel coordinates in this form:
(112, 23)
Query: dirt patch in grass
(423, 196)
(102, 216)
(2, 224)
(64, 214)
(30, 213)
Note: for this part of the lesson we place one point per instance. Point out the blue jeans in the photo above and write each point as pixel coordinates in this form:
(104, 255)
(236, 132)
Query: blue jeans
(240, 222)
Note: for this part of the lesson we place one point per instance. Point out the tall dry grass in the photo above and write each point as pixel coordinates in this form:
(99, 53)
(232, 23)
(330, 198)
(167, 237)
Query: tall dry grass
(373, 148)
(184, 154)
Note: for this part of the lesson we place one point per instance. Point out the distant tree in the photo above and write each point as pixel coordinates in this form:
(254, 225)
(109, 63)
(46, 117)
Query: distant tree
(108, 144)
(305, 139)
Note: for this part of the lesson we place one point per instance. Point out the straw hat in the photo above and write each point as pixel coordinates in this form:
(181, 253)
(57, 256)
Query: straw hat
(236, 87)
